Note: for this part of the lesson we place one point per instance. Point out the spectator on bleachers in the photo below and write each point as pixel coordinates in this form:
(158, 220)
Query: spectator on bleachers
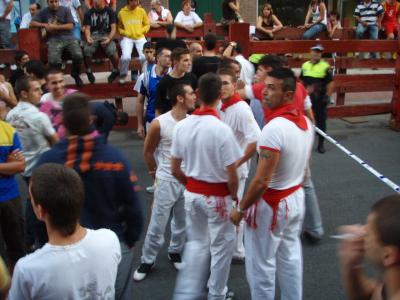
(38, 70)
(170, 41)
(58, 23)
(133, 24)
(100, 27)
(6, 6)
(196, 50)
(369, 15)
(333, 23)
(268, 23)
(316, 19)
(34, 8)
(230, 12)
(209, 61)
(159, 16)
(77, 13)
(234, 50)
(390, 18)
(7, 97)
(187, 19)
(21, 58)
(111, 3)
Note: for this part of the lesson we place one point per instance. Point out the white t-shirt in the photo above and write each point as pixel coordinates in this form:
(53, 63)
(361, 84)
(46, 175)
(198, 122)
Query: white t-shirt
(33, 127)
(73, 6)
(294, 146)
(207, 146)
(191, 19)
(3, 6)
(26, 20)
(84, 270)
(154, 16)
(240, 118)
(247, 71)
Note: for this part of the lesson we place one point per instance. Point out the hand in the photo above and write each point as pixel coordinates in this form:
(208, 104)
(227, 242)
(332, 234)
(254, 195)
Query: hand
(351, 250)
(15, 156)
(236, 216)
(50, 27)
(140, 132)
(270, 33)
(105, 41)
(189, 28)
(240, 84)
(90, 40)
(308, 26)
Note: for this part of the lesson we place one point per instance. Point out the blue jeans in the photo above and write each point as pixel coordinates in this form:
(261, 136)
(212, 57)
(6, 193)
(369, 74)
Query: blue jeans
(313, 31)
(312, 218)
(76, 31)
(5, 34)
(372, 33)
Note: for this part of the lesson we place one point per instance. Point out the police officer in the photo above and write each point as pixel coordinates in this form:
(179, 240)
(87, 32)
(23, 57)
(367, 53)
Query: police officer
(316, 75)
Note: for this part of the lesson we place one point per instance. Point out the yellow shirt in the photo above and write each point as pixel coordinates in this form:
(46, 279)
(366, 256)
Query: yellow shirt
(4, 277)
(134, 23)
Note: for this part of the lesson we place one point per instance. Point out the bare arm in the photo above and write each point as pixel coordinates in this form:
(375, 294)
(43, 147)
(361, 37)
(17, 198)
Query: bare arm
(309, 113)
(330, 88)
(52, 139)
(88, 35)
(322, 10)
(80, 13)
(15, 164)
(235, 6)
(8, 9)
(113, 31)
(197, 25)
(9, 98)
(248, 153)
(150, 145)
(308, 16)
(228, 51)
(139, 114)
(176, 170)
(233, 180)
(260, 27)
(277, 24)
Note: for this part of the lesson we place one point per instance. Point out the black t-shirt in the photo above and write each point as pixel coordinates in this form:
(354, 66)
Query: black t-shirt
(227, 12)
(100, 20)
(205, 64)
(15, 75)
(163, 103)
(170, 44)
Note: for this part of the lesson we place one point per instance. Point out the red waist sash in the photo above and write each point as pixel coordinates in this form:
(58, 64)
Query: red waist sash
(219, 189)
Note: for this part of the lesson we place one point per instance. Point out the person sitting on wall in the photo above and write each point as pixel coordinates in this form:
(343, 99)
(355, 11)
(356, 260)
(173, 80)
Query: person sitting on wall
(187, 19)
(268, 23)
(159, 16)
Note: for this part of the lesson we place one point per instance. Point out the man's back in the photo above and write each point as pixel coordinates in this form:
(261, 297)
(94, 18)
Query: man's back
(70, 271)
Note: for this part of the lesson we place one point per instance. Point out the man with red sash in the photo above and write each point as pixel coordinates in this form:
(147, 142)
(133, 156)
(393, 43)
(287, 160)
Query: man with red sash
(209, 151)
(274, 203)
(237, 114)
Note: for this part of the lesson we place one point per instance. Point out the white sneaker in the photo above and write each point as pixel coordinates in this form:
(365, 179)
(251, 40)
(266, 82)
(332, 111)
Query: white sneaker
(176, 260)
(142, 271)
(151, 189)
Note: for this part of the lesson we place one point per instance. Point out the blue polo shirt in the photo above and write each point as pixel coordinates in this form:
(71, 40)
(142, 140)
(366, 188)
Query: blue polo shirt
(9, 142)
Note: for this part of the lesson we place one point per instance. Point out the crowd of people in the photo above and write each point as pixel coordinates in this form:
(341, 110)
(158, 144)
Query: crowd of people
(204, 113)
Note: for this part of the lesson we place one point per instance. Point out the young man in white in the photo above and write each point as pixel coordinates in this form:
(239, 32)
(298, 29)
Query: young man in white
(275, 198)
(209, 151)
(238, 115)
(187, 19)
(168, 196)
(159, 16)
(67, 267)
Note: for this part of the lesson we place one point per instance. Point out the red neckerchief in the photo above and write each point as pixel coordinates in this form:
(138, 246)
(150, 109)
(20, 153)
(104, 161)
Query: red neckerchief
(206, 111)
(290, 112)
(232, 100)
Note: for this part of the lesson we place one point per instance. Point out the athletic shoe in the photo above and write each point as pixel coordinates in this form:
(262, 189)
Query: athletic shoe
(230, 295)
(113, 76)
(151, 189)
(237, 260)
(122, 81)
(311, 238)
(78, 81)
(142, 271)
(90, 77)
(176, 259)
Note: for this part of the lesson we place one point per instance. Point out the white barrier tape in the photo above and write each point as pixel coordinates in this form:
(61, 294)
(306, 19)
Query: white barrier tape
(380, 176)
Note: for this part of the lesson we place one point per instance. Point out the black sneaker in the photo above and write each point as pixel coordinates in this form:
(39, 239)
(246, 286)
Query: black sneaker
(78, 81)
(142, 271)
(176, 260)
(90, 77)
(113, 76)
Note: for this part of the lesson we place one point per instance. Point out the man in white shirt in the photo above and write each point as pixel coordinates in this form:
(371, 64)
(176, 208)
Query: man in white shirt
(6, 7)
(209, 151)
(159, 16)
(275, 198)
(27, 18)
(238, 115)
(168, 196)
(67, 267)
(187, 19)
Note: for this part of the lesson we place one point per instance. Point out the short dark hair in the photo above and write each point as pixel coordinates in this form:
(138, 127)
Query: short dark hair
(335, 14)
(272, 61)
(76, 114)
(160, 50)
(19, 54)
(178, 52)
(227, 63)
(210, 41)
(122, 118)
(176, 90)
(59, 190)
(288, 77)
(37, 68)
(38, 6)
(229, 72)
(23, 84)
(387, 221)
(53, 71)
(209, 88)
(148, 45)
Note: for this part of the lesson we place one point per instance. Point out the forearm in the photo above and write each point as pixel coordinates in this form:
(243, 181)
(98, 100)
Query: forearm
(310, 115)
(256, 190)
(12, 168)
(180, 25)
(330, 88)
(356, 285)
(248, 153)
(179, 175)
(228, 51)
(87, 33)
(197, 25)
(150, 162)
(112, 32)
(35, 24)
(67, 26)
(10, 101)
(139, 110)
(8, 9)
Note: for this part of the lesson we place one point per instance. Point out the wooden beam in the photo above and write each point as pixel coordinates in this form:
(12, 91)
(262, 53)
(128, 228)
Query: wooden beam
(107, 90)
(359, 110)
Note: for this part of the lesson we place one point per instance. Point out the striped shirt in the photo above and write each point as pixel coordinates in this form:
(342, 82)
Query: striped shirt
(368, 12)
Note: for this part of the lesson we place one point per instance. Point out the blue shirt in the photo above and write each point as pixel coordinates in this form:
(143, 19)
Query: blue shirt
(9, 142)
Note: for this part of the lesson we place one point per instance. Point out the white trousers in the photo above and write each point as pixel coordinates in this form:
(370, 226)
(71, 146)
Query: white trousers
(277, 252)
(238, 251)
(127, 48)
(168, 198)
(208, 250)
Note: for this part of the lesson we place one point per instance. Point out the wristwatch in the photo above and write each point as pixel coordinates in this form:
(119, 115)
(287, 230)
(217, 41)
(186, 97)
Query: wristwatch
(239, 210)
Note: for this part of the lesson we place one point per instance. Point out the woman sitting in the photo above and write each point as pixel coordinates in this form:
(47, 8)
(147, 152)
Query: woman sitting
(316, 19)
(187, 19)
(268, 23)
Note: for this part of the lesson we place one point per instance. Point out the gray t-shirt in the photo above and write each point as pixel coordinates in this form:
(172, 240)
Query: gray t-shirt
(61, 16)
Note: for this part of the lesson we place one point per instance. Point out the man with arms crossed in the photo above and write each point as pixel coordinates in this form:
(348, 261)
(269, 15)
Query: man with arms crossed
(168, 196)
(211, 186)
(275, 198)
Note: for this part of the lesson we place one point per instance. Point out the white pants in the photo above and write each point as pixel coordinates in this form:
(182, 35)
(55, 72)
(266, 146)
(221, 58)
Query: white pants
(238, 251)
(208, 250)
(168, 198)
(278, 252)
(126, 48)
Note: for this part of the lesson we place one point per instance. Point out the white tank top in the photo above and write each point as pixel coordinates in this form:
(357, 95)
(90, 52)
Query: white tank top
(315, 15)
(167, 125)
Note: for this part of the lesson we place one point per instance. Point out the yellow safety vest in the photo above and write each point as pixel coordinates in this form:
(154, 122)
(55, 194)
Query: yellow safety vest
(318, 70)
